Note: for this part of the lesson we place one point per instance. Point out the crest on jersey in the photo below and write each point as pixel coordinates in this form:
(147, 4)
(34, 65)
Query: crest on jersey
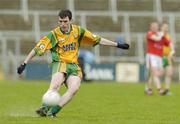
(41, 46)
(75, 35)
(61, 40)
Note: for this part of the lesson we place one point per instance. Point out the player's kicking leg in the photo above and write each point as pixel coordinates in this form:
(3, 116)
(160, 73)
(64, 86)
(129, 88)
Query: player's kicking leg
(56, 82)
(73, 84)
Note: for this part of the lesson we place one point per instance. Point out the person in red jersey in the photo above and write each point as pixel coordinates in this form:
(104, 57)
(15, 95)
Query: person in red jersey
(155, 42)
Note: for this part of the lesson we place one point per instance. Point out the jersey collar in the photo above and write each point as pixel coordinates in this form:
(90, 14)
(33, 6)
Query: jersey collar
(70, 29)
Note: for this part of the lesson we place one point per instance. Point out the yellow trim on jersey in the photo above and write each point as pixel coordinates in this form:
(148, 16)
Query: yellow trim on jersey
(63, 67)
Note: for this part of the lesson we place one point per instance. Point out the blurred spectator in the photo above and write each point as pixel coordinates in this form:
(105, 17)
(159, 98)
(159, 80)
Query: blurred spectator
(85, 57)
(88, 56)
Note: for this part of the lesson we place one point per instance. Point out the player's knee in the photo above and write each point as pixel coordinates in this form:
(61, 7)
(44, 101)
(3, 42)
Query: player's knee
(157, 72)
(73, 90)
(160, 73)
(169, 74)
(76, 88)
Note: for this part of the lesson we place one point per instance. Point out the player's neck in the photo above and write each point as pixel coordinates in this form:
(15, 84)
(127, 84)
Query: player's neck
(68, 31)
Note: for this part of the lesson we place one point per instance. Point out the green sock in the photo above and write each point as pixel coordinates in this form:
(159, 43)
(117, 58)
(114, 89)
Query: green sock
(54, 109)
(46, 107)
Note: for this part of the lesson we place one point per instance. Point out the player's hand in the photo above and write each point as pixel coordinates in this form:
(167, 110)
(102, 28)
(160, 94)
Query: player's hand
(171, 55)
(21, 68)
(122, 45)
(161, 34)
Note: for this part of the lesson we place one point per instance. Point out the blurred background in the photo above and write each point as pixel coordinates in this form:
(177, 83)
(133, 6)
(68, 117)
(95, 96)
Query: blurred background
(24, 22)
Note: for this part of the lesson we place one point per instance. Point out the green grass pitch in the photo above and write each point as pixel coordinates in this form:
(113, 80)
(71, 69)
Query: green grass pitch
(95, 103)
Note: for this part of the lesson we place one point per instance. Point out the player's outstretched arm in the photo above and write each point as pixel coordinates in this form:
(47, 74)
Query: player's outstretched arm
(21, 68)
(117, 44)
(157, 37)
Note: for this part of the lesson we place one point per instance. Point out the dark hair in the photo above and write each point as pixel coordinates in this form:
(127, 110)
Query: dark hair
(65, 13)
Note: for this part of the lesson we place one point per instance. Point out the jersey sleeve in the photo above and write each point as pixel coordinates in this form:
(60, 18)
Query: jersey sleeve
(46, 43)
(88, 38)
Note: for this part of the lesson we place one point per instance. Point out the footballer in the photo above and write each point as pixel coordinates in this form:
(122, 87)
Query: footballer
(64, 42)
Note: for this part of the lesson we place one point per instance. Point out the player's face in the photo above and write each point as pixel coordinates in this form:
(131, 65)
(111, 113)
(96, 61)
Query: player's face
(165, 28)
(64, 24)
(154, 27)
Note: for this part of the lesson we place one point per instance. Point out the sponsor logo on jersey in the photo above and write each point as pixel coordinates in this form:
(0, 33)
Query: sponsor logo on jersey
(68, 47)
(61, 40)
(75, 35)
